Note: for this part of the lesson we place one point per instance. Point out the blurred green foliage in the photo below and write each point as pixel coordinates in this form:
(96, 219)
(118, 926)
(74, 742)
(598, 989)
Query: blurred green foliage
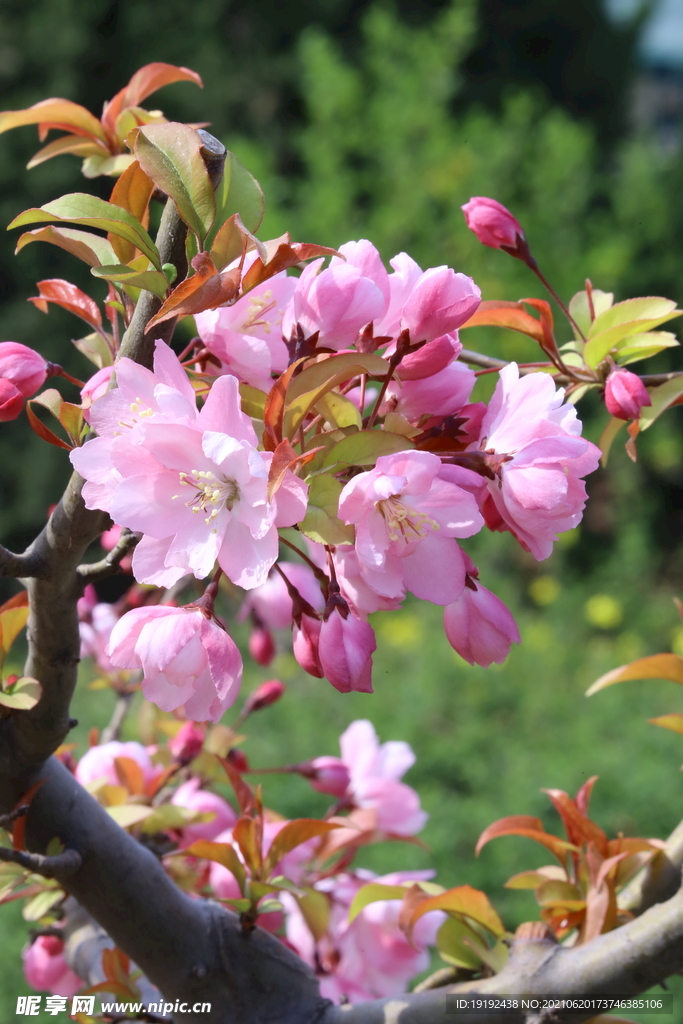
(364, 122)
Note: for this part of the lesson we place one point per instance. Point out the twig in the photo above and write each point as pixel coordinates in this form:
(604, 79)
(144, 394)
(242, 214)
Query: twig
(21, 566)
(18, 812)
(61, 865)
(121, 709)
(90, 572)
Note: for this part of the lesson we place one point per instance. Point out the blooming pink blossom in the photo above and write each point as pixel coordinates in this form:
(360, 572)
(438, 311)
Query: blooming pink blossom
(370, 957)
(336, 303)
(94, 389)
(345, 649)
(187, 742)
(186, 658)
(26, 369)
(145, 478)
(625, 394)
(439, 303)
(401, 283)
(247, 336)
(539, 492)
(11, 401)
(191, 796)
(98, 763)
(428, 360)
(271, 602)
(478, 625)
(46, 969)
(442, 394)
(95, 630)
(375, 772)
(406, 519)
(360, 596)
(492, 223)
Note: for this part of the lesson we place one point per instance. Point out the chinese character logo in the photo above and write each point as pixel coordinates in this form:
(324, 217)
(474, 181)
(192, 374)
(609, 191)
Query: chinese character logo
(83, 1004)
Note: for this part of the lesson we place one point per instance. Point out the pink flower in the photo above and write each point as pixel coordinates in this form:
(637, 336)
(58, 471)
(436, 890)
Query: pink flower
(46, 969)
(539, 492)
(186, 658)
(11, 401)
(94, 389)
(305, 645)
(345, 649)
(439, 303)
(428, 360)
(271, 602)
(192, 797)
(98, 763)
(95, 630)
(197, 493)
(26, 369)
(336, 303)
(406, 519)
(371, 957)
(478, 625)
(247, 336)
(492, 223)
(442, 394)
(261, 645)
(401, 283)
(328, 775)
(187, 742)
(375, 772)
(625, 395)
(264, 695)
(360, 596)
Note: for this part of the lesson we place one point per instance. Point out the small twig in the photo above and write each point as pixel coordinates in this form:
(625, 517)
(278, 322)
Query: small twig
(20, 566)
(121, 709)
(89, 572)
(60, 865)
(444, 976)
(18, 812)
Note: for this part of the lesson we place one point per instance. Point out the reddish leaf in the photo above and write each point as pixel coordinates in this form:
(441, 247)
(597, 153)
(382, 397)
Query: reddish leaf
(115, 965)
(55, 113)
(656, 666)
(44, 432)
(19, 824)
(245, 797)
(19, 600)
(232, 240)
(206, 289)
(130, 775)
(132, 192)
(245, 835)
(153, 787)
(92, 249)
(287, 254)
(463, 901)
(531, 828)
(221, 853)
(71, 298)
(274, 410)
(293, 834)
(582, 798)
(144, 82)
(74, 144)
(579, 828)
(506, 314)
(285, 458)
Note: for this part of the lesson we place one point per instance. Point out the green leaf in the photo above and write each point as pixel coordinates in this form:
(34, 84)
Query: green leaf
(315, 908)
(320, 522)
(270, 907)
(365, 447)
(293, 834)
(81, 208)
(42, 904)
(608, 437)
(634, 316)
(151, 280)
(22, 695)
(555, 893)
(92, 249)
(238, 192)
(170, 154)
(644, 346)
(340, 411)
(171, 816)
(662, 398)
(239, 906)
(580, 310)
(452, 947)
(253, 401)
(373, 893)
(94, 347)
(127, 815)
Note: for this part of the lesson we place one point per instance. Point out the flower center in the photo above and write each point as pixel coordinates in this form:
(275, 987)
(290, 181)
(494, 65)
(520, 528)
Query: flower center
(212, 493)
(403, 522)
(139, 410)
(260, 306)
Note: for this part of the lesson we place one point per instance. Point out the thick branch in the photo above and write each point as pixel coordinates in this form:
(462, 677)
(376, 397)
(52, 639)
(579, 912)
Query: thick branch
(19, 566)
(659, 880)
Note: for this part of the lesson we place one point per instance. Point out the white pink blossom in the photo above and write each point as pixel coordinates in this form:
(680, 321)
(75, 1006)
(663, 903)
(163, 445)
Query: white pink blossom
(46, 969)
(191, 796)
(99, 763)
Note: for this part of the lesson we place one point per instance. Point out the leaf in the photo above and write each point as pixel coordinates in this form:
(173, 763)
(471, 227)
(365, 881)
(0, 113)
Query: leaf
(673, 722)
(293, 834)
(315, 910)
(132, 192)
(42, 904)
(231, 241)
(580, 309)
(92, 249)
(532, 879)
(13, 618)
(343, 366)
(633, 316)
(81, 208)
(245, 797)
(270, 907)
(245, 835)
(463, 901)
(340, 411)
(22, 695)
(130, 775)
(238, 192)
(167, 816)
(55, 113)
(608, 437)
(374, 892)
(69, 297)
(206, 289)
(94, 166)
(144, 82)
(663, 397)
(220, 853)
(580, 829)
(282, 254)
(644, 346)
(524, 825)
(285, 459)
(365, 447)
(253, 401)
(557, 893)
(171, 155)
(151, 280)
(320, 522)
(239, 906)
(452, 947)
(657, 666)
(128, 815)
(74, 144)
(492, 313)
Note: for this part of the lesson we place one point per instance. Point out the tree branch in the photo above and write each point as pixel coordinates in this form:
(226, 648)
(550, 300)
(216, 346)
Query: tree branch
(659, 880)
(90, 572)
(59, 866)
(19, 566)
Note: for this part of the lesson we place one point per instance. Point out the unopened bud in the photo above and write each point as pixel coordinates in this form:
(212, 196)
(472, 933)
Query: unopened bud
(264, 695)
(187, 743)
(261, 645)
(237, 759)
(625, 395)
(328, 775)
(493, 224)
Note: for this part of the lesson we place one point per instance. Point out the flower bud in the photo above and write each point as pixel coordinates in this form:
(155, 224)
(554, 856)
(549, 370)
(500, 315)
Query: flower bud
(94, 388)
(345, 650)
(187, 742)
(492, 223)
(264, 695)
(261, 645)
(479, 626)
(237, 759)
(625, 395)
(46, 969)
(328, 775)
(11, 401)
(305, 638)
(22, 366)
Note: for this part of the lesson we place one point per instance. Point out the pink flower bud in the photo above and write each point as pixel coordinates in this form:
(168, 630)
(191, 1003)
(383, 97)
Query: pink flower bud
(191, 796)
(492, 223)
(264, 695)
(305, 640)
(429, 359)
(261, 646)
(22, 366)
(187, 742)
(439, 303)
(11, 401)
(345, 650)
(46, 969)
(480, 627)
(238, 759)
(95, 388)
(328, 775)
(625, 395)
